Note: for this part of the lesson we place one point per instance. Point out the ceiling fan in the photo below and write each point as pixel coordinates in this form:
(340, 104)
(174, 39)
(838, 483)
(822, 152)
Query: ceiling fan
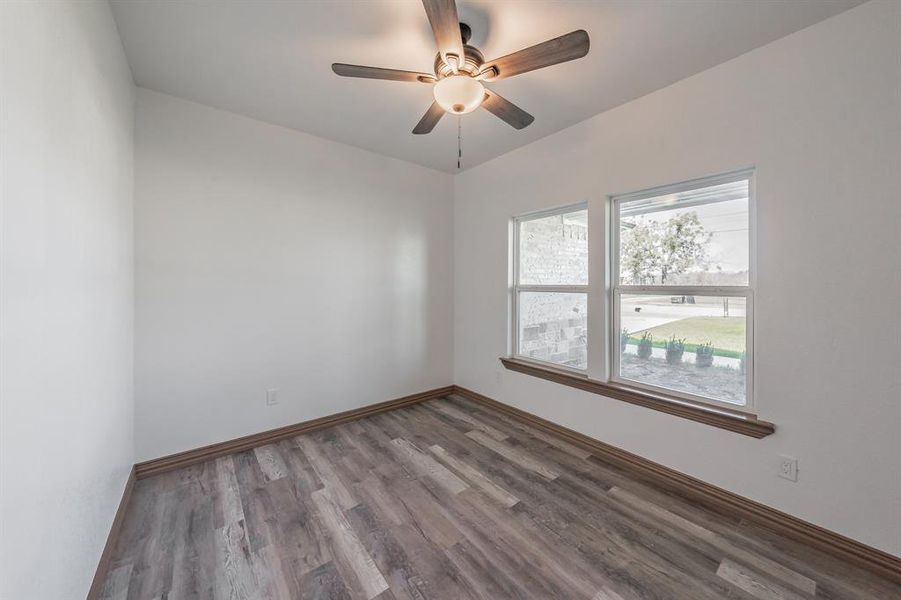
(460, 69)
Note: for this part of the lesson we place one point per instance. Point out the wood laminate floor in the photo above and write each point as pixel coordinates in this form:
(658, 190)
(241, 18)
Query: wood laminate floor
(447, 499)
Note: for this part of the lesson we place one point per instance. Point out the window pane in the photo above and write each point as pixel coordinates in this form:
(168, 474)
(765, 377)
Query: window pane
(553, 327)
(709, 331)
(554, 250)
(696, 237)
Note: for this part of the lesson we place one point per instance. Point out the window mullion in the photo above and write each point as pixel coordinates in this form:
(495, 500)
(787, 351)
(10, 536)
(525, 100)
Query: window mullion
(562, 289)
(598, 282)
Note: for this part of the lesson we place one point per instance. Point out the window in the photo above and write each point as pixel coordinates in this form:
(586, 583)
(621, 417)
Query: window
(681, 287)
(670, 310)
(550, 281)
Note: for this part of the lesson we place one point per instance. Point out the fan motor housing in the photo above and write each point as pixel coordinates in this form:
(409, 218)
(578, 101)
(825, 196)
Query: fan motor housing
(472, 63)
(472, 58)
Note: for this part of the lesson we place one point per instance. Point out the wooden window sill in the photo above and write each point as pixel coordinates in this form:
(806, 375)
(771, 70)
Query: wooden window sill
(743, 424)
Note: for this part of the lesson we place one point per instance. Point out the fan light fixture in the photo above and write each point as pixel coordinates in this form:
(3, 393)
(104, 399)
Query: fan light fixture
(459, 94)
(460, 69)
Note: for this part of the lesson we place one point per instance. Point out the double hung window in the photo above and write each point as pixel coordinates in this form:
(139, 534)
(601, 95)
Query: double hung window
(551, 287)
(679, 303)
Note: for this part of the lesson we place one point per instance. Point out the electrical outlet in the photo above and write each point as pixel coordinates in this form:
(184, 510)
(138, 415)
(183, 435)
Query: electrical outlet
(271, 397)
(788, 468)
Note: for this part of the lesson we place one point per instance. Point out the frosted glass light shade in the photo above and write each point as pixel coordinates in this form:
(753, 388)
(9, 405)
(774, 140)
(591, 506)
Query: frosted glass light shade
(459, 94)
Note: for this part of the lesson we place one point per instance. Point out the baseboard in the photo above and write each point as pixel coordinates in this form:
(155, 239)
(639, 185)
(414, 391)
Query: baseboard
(837, 545)
(107, 554)
(190, 457)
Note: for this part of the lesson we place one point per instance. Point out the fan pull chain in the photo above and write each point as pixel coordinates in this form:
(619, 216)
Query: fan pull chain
(459, 140)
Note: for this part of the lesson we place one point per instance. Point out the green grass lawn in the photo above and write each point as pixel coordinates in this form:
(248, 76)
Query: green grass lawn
(726, 333)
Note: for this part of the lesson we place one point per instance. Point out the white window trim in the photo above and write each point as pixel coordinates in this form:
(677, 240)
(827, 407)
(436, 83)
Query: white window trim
(747, 292)
(516, 288)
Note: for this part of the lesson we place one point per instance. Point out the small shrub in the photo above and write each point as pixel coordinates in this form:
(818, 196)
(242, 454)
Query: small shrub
(645, 344)
(704, 355)
(674, 350)
(623, 339)
(741, 363)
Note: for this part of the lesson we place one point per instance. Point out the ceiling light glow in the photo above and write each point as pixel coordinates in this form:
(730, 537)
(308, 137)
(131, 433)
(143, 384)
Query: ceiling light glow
(459, 94)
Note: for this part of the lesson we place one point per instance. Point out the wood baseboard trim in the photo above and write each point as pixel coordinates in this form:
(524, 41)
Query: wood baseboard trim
(743, 424)
(867, 557)
(106, 556)
(190, 457)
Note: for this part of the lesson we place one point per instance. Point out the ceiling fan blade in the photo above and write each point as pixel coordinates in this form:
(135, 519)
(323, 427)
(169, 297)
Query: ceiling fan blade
(506, 111)
(445, 24)
(429, 119)
(345, 70)
(567, 47)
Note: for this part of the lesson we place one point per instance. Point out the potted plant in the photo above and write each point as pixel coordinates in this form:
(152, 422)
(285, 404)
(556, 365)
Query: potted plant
(674, 350)
(623, 340)
(645, 344)
(741, 363)
(704, 355)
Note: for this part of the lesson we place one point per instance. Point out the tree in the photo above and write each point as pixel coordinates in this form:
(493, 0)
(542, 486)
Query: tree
(640, 256)
(684, 245)
(655, 249)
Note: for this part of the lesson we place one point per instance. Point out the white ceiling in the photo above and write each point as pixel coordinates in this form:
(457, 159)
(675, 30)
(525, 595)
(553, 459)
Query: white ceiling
(271, 60)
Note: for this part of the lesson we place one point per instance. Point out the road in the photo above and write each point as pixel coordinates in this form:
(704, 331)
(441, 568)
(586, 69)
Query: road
(658, 310)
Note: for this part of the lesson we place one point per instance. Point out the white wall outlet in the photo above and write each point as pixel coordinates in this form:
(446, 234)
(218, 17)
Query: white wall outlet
(788, 468)
(271, 397)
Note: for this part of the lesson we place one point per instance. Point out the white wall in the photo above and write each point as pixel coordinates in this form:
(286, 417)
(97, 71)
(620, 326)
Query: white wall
(269, 258)
(819, 114)
(66, 283)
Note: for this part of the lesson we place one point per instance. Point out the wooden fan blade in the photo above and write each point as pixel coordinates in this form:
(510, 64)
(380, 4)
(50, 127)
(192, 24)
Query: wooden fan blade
(506, 111)
(445, 24)
(561, 49)
(429, 119)
(345, 70)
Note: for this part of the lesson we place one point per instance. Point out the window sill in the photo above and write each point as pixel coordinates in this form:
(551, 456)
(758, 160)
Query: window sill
(743, 424)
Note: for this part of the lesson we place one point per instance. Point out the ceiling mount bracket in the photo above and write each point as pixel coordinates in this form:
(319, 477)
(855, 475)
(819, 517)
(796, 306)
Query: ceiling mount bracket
(465, 32)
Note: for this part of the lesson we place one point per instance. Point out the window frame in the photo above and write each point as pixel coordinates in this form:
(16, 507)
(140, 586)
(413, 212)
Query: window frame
(516, 288)
(616, 289)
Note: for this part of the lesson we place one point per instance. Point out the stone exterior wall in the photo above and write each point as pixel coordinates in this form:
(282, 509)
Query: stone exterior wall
(561, 341)
(554, 250)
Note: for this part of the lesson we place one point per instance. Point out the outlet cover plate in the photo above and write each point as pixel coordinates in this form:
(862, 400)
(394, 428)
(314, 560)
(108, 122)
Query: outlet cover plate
(788, 468)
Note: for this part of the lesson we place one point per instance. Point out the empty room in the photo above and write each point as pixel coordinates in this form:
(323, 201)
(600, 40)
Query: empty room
(450, 299)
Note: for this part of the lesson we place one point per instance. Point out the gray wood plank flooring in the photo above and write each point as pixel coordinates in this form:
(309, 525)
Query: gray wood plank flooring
(448, 500)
